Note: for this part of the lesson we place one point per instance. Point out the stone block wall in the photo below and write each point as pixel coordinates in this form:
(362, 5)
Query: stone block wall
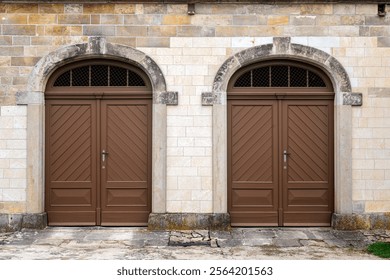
(189, 50)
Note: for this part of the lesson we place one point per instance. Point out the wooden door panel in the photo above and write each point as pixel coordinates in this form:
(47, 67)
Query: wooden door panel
(252, 162)
(308, 172)
(71, 162)
(125, 183)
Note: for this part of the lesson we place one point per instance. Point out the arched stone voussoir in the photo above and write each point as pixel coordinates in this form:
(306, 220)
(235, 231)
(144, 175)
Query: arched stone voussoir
(96, 47)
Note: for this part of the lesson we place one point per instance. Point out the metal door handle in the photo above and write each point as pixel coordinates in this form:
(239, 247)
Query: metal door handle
(285, 154)
(104, 154)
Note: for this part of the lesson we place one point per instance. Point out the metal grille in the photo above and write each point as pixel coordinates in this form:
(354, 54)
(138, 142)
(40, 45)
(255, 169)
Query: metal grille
(80, 76)
(315, 80)
(118, 76)
(63, 80)
(245, 80)
(99, 76)
(279, 76)
(261, 77)
(135, 80)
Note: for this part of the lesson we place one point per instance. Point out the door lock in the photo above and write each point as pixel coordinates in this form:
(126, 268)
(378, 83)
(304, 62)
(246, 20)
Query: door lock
(104, 155)
(285, 154)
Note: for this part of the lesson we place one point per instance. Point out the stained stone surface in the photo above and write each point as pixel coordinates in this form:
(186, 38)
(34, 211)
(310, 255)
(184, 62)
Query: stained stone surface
(140, 243)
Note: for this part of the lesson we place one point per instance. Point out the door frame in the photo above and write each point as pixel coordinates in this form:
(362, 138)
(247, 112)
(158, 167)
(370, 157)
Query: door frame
(34, 98)
(284, 48)
(275, 95)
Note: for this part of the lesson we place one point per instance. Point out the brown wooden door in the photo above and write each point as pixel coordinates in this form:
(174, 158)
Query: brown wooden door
(307, 137)
(280, 162)
(82, 187)
(125, 171)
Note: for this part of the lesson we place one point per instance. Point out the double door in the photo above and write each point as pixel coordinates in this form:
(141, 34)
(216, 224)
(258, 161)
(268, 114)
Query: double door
(98, 162)
(280, 162)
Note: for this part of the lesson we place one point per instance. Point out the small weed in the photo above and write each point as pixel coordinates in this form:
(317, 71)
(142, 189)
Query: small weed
(380, 249)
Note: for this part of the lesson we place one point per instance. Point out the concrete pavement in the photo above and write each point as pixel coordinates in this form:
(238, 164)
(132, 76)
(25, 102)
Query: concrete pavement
(78, 243)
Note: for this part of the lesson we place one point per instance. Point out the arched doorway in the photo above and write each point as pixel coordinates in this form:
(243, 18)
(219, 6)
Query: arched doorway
(98, 144)
(280, 145)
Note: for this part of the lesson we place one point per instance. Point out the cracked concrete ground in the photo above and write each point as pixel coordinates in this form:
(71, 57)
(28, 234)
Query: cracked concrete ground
(79, 243)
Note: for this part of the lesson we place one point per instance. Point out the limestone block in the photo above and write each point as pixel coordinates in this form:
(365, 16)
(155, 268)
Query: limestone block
(278, 20)
(172, 183)
(17, 183)
(196, 31)
(214, 20)
(178, 161)
(42, 19)
(24, 61)
(153, 42)
(124, 8)
(142, 20)
(20, 40)
(206, 207)
(73, 8)
(328, 20)
(74, 19)
(366, 9)
(19, 30)
(99, 8)
(201, 195)
(14, 19)
(303, 20)
(57, 30)
(5, 40)
(139, 31)
(344, 9)
(203, 142)
(377, 206)
(4, 183)
(191, 206)
(111, 19)
(176, 20)
(154, 9)
(173, 207)
(178, 195)
(198, 132)
(245, 20)
(188, 182)
(98, 30)
(194, 151)
(162, 31)
(51, 8)
(314, 9)
(353, 20)
(13, 111)
(21, 8)
(14, 195)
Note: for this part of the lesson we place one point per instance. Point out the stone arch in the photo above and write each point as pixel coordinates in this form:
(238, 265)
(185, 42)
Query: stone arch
(33, 97)
(282, 48)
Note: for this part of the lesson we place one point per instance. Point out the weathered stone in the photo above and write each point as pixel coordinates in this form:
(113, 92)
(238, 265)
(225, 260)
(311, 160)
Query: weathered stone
(208, 98)
(98, 30)
(22, 8)
(122, 40)
(111, 19)
(354, 99)
(99, 8)
(344, 9)
(10, 222)
(231, 31)
(353, 20)
(350, 222)
(162, 31)
(5, 40)
(379, 92)
(19, 30)
(383, 42)
(95, 19)
(315, 9)
(154, 9)
(57, 30)
(142, 19)
(195, 31)
(153, 42)
(303, 20)
(168, 98)
(51, 8)
(188, 221)
(24, 61)
(176, 20)
(34, 221)
(42, 19)
(139, 31)
(124, 9)
(11, 51)
(73, 8)
(287, 243)
(74, 19)
(278, 20)
(14, 19)
(211, 20)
